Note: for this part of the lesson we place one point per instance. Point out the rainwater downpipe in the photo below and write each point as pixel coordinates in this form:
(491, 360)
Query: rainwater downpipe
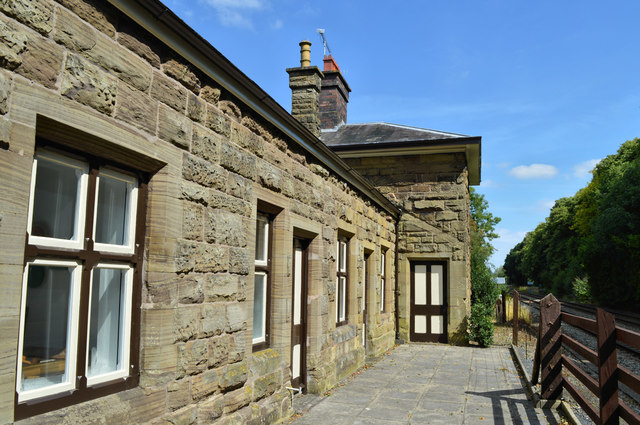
(396, 273)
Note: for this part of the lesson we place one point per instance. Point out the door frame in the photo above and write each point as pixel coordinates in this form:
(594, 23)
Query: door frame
(300, 331)
(429, 310)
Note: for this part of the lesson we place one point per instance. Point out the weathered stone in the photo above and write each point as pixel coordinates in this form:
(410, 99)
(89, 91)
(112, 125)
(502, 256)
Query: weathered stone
(36, 14)
(229, 203)
(159, 364)
(429, 205)
(233, 376)
(182, 73)
(5, 89)
(269, 176)
(190, 290)
(212, 320)
(178, 394)
(218, 122)
(205, 144)
(131, 38)
(196, 108)
(446, 216)
(205, 384)
(13, 44)
(174, 127)
(265, 386)
(203, 172)
(185, 416)
(168, 92)
(89, 85)
(229, 108)
(236, 346)
(239, 186)
(265, 362)
(211, 258)
(238, 161)
(102, 16)
(237, 315)
(158, 327)
(126, 65)
(194, 193)
(211, 409)
(42, 60)
(142, 406)
(239, 261)
(219, 351)
(192, 221)
(224, 287)
(225, 228)
(73, 32)
(187, 322)
(184, 257)
(193, 357)
(136, 108)
(237, 399)
(210, 94)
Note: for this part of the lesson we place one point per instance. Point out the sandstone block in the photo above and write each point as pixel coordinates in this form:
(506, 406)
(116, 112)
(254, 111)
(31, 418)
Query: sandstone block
(225, 228)
(187, 322)
(265, 385)
(193, 357)
(211, 409)
(205, 144)
(192, 221)
(184, 256)
(142, 406)
(236, 347)
(101, 16)
(269, 176)
(225, 287)
(233, 376)
(174, 127)
(185, 416)
(239, 261)
(158, 327)
(42, 59)
(205, 384)
(35, 14)
(168, 92)
(182, 73)
(210, 94)
(446, 216)
(73, 32)
(13, 44)
(196, 108)
(239, 187)
(429, 205)
(205, 173)
(178, 394)
(236, 400)
(194, 193)
(126, 65)
(246, 139)
(229, 108)
(238, 161)
(264, 362)
(212, 320)
(160, 360)
(5, 89)
(89, 85)
(136, 108)
(219, 350)
(229, 203)
(211, 258)
(237, 315)
(218, 122)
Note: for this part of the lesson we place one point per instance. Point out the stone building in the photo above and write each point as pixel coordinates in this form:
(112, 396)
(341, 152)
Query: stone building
(178, 248)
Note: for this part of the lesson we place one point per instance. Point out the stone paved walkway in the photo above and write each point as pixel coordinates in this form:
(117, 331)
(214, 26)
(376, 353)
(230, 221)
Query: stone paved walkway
(430, 384)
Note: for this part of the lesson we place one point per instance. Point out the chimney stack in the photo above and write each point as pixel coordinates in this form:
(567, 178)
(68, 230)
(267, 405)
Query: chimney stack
(305, 83)
(334, 96)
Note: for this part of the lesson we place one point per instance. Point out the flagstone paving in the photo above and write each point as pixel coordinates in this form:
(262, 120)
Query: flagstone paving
(429, 384)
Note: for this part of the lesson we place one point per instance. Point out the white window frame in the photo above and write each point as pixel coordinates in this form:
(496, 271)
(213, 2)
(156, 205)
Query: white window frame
(383, 277)
(132, 204)
(341, 281)
(125, 349)
(72, 332)
(81, 202)
(263, 221)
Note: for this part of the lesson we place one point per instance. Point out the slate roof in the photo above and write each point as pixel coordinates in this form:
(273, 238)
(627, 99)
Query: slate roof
(377, 134)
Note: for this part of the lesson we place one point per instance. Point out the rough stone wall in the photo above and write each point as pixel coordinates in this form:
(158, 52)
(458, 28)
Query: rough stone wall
(87, 66)
(433, 190)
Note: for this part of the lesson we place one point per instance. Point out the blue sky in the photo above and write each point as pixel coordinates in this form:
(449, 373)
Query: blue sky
(551, 86)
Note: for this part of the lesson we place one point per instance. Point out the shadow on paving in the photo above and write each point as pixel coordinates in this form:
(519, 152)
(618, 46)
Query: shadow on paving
(428, 384)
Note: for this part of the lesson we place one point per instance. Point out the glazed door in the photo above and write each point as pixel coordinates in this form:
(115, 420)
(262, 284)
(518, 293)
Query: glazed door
(299, 327)
(428, 301)
(365, 300)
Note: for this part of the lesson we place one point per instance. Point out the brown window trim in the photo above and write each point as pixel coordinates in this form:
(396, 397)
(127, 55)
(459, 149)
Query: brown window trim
(267, 270)
(344, 274)
(89, 258)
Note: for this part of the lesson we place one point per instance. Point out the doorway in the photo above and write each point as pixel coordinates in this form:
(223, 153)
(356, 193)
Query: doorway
(428, 301)
(299, 319)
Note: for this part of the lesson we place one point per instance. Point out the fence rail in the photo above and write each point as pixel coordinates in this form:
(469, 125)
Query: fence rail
(549, 362)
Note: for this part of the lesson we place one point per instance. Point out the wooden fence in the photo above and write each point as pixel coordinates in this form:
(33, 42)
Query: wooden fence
(550, 361)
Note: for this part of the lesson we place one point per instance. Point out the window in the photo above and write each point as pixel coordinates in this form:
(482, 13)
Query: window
(342, 282)
(383, 265)
(81, 277)
(262, 280)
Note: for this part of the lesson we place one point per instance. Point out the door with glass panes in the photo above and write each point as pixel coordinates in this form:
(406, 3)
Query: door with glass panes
(299, 319)
(428, 301)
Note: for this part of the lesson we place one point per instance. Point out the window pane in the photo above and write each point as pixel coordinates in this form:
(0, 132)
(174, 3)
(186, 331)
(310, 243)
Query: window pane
(262, 234)
(46, 326)
(343, 293)
(56, 196)
(259, 306)
(343, 257)
(107, 320)
(113, 210)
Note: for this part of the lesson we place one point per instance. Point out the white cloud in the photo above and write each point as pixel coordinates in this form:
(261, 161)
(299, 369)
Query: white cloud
(277, 24)
(534, 171)
(545, 204)
(583, 169)
(509, 237)
(236, 13)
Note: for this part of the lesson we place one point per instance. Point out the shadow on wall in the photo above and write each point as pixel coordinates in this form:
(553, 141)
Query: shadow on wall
(460, 336)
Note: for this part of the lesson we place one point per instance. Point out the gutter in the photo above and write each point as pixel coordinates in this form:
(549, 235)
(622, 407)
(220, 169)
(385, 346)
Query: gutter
(162, 23)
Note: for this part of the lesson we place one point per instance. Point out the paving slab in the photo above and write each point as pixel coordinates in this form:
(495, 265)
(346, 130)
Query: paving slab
(429, 384)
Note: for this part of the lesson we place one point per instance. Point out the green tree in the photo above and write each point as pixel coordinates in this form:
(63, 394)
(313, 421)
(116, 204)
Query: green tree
(484, 291)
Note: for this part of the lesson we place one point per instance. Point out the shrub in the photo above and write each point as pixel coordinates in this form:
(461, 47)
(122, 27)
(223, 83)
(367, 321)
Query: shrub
(582, 290)
(480, 325)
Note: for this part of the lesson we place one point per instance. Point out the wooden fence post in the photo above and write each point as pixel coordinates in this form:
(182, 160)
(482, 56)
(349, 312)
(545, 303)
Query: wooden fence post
(608, 370)
(516, 304)
(550, 348)
(504, 306)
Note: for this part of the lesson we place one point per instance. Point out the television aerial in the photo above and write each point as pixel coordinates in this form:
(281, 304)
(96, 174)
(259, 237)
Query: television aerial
(325, 45)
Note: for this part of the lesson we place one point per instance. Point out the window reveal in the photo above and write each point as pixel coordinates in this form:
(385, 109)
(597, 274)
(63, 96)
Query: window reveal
(342, 282)
(383, 261)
